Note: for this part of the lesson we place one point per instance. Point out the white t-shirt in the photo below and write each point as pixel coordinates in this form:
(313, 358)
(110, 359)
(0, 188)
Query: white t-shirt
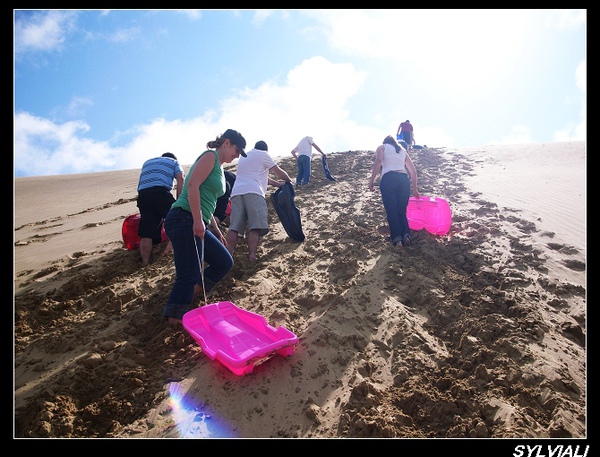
(305, 146)
(252, 174)
(392, 160)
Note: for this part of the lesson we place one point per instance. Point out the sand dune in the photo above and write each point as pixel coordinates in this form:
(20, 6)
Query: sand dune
(477, 334)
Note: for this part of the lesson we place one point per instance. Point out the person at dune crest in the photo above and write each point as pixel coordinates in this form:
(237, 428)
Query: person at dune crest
(303, 155)
(406, 133)
(393, 162)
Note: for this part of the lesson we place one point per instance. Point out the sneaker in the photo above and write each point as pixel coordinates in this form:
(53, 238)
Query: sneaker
(406, 240)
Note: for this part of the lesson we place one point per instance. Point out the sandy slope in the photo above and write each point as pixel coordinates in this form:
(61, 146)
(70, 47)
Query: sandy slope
(477, 334)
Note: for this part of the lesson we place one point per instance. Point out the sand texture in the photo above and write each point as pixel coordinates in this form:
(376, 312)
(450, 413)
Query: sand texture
(479, 333)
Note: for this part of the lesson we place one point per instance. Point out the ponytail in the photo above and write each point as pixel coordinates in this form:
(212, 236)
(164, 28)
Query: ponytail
(390, 140)
(216, 143)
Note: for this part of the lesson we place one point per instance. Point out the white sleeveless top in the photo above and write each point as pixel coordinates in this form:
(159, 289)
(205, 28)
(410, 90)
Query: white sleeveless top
(392, 160)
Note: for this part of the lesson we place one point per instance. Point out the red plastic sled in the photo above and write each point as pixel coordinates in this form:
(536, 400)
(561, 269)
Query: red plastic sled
(130, 232)
(431, 213)
(237, 338)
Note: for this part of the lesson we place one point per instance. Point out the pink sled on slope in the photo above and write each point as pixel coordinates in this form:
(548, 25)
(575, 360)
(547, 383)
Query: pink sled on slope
(431, 213)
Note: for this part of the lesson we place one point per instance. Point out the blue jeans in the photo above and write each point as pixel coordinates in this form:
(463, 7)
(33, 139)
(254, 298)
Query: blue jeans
(179, 228)
(303, 175)
(395, 192)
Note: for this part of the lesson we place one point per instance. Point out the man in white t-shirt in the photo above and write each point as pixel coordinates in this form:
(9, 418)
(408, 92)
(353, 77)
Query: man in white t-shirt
(303, 155)
(249, 211)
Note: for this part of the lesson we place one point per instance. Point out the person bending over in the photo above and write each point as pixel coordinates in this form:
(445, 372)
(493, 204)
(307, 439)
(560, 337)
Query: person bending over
(249, 211)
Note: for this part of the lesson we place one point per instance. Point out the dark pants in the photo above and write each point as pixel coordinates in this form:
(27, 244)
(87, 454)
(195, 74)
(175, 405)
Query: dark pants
(303, 176)
(154, 203)
(187, 255)
(395, 192)
(406, 136)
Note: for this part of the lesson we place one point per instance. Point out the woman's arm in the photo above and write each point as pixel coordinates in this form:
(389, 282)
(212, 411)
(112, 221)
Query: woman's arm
(376, 166)
(412, 171)
(179, 180)
(214, 227)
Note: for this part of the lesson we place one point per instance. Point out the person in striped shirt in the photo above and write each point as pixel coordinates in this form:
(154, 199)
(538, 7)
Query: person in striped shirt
(155, 197)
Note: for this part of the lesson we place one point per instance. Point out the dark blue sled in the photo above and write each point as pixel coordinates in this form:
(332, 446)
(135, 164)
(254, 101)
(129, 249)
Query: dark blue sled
(287, 211)
(326, 169)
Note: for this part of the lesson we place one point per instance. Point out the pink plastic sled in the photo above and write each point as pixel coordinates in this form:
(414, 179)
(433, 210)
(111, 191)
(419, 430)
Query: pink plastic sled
(130, 232)
(431, 213)
(237, 338)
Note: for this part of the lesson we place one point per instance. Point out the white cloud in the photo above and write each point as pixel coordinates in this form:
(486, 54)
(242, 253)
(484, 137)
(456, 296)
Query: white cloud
(45, 148)
(280, 113)
(577, 131)
(519, 134)
(286, 113)
(42, 31)
(78, 105)
(464, 50)
(277, 114)
(192, 14)
(125, 35)
(568, 19)
(260, 16)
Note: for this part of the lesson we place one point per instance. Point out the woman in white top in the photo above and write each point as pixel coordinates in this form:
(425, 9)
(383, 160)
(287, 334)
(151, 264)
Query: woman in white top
(393, 162)
(248, 202)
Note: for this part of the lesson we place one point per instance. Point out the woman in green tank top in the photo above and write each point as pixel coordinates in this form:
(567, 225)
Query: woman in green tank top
(186, 224)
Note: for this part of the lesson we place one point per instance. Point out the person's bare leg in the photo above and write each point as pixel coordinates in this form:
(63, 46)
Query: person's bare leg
(145, 250)
(253, 237)
(173, 322)
(232, 239)
(198, 292)
(168, 248)
(202, 292)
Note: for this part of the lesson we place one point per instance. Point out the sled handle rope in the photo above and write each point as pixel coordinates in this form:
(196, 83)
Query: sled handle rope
(200, 263)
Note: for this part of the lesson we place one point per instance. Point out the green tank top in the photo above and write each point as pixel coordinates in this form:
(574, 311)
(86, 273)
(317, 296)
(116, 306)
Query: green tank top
(210, 190)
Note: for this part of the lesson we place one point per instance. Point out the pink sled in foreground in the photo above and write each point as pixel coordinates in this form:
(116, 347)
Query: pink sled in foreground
(237, 338)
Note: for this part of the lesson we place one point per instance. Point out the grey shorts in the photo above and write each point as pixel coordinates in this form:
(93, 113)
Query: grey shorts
(249, 210)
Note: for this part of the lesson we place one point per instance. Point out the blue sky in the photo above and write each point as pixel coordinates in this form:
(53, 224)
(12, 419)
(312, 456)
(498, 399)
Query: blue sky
(99, 90)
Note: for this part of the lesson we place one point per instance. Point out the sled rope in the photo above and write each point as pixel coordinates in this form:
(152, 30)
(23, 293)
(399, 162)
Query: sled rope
(200, 263)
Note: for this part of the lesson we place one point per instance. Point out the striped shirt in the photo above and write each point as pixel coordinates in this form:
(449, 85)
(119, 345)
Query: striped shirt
(159, 172)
